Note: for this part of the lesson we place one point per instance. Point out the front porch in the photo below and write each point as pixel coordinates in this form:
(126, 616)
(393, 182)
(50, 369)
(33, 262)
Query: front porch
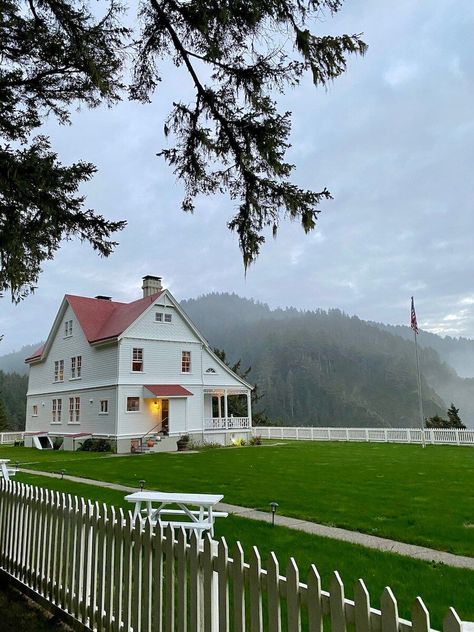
(227, 409)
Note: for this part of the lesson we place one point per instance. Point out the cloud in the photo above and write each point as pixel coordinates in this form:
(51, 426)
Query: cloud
(392, 139)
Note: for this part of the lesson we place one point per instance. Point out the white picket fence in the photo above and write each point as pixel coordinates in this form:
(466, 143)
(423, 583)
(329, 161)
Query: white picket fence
(109, 572)
(439, 436)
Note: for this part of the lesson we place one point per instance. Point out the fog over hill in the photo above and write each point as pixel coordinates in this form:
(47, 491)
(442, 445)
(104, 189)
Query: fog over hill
(327, 368)
(324, 368)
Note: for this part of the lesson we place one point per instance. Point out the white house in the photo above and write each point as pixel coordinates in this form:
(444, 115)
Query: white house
(131, 372)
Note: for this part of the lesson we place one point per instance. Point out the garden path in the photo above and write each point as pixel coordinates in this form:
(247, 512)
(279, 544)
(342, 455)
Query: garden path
(336, 533)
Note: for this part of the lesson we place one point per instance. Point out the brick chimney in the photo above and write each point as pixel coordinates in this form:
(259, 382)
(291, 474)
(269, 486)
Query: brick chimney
(151, 285)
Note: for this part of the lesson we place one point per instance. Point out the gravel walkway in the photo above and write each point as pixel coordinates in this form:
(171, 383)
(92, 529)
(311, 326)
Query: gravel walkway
(355, 537)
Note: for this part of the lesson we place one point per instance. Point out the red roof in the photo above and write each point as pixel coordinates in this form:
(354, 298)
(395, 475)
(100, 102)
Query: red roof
(167, 390)
(101, 319)
(36, 354)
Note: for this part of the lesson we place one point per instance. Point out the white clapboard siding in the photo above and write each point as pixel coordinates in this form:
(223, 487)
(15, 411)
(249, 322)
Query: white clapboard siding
(109, 571)
(433, 436)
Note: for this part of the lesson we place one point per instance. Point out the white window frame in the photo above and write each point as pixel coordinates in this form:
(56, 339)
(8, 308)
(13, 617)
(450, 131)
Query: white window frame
(127, 409)
(158, 317)
(137, 359)
(59, 370)
(106, 411)
(77, 410)
(168, 317)
(67, 328)
(56, 411)
(187, 361)
(76, 367)
(34, 410)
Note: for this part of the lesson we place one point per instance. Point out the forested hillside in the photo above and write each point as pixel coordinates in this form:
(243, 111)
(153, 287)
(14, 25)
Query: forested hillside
(314, 368)
(326, 368)
(457, 352)
(13, 397)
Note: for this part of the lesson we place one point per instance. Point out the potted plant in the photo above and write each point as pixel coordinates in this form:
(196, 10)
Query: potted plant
(183, 443)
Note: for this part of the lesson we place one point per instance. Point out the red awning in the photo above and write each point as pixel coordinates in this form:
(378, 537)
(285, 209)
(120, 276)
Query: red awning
(166, 390)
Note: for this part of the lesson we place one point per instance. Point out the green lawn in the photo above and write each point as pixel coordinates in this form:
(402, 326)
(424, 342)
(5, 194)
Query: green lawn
(438, 585)
(404, 492)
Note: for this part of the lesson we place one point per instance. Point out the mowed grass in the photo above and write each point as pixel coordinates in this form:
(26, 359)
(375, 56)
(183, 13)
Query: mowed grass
(404, 492)
(439, 586)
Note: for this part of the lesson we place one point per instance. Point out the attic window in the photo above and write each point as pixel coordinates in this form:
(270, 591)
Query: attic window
(67, 328)
(210, 370)
(161, 317)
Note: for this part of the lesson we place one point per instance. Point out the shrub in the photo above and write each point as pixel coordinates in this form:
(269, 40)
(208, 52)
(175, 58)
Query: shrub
(96, 445)
(257, 440)
(239, 442)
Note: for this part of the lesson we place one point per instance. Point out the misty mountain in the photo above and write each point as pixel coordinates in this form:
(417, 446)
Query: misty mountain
(458, 352)
(326, 368)
(315, 367)
(14, 362)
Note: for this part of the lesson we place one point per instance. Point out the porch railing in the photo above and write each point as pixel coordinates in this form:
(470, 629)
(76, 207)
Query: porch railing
(227, 423)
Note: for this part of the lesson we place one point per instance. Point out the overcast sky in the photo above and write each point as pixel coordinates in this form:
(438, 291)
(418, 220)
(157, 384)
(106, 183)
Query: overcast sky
(392, 140)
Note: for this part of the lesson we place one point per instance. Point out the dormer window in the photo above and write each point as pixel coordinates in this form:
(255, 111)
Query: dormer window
(210, 370)
(67, 328)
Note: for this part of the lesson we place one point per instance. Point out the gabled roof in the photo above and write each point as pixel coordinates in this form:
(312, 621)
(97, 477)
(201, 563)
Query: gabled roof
(101, 319)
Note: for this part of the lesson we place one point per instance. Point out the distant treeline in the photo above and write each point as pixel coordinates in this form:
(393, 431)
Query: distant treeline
(326, 368)
(313, 368)
(12, 401)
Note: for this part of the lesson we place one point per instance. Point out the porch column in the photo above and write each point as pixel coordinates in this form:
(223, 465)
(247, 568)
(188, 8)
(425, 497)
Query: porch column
(219, 407)
(226, 411)
(249, 407)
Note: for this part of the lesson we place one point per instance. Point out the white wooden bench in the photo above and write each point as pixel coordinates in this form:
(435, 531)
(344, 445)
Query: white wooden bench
(5, 471)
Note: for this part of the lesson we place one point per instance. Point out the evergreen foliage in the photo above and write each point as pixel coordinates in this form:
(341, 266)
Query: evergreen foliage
(55, 54)
(3, 417)
(237, 406)
(453, 420)
(323, 368)
(13, 389)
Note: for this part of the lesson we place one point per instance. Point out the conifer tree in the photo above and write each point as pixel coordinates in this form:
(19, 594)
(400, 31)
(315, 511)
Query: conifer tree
(4, 424)
(454, 418)
(230, 138)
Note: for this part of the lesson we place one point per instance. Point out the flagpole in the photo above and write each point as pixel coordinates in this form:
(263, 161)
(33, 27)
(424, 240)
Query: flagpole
(420, 398)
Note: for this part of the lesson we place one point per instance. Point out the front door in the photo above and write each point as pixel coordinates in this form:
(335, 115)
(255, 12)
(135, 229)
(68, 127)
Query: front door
(165, 408)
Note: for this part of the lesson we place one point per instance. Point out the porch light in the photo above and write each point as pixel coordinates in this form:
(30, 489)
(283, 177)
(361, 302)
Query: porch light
(273, 506)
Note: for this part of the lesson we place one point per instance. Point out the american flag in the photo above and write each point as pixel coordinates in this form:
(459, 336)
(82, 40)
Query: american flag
(413, 324)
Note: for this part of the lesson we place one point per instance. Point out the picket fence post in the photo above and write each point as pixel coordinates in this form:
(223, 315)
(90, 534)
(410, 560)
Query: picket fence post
(117, 573)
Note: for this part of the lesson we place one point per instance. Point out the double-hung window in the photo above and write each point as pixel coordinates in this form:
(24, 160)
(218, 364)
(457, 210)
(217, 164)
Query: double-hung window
(104, 406)
(74, 410)
(35, 410)
(167, 318)
(57, 411)
(186, 362)
(67, 328)
(137, 360)
(76, 367)
(59, 371)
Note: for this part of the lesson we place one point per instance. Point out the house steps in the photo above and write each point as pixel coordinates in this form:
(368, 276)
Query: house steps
(162, 443)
